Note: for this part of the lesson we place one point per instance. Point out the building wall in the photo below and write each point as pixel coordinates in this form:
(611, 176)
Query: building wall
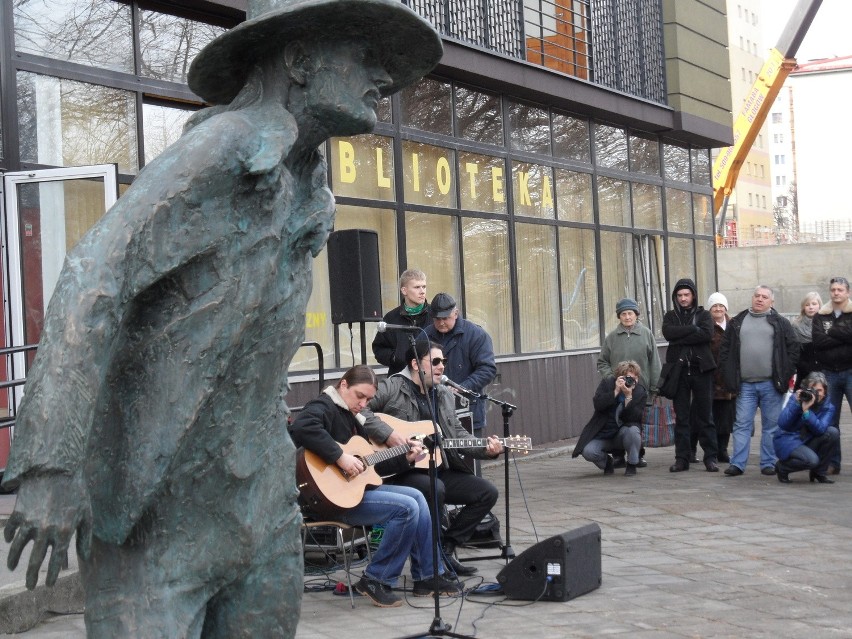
(792, 270)
(695, 38)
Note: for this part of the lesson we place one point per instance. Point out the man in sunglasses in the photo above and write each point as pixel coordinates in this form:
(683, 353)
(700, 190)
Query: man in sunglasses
(407, 397)
(832, 339)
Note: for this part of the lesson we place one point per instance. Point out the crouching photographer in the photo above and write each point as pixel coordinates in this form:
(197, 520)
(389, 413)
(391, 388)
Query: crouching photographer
(804, 439)
(619, 402)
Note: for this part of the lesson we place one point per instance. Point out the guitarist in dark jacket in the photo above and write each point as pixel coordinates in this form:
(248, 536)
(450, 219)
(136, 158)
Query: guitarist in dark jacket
(404, 397)
(689, 331)
(333, 419)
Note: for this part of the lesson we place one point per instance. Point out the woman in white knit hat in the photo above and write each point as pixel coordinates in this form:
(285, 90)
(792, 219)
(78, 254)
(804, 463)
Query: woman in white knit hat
(724, 404)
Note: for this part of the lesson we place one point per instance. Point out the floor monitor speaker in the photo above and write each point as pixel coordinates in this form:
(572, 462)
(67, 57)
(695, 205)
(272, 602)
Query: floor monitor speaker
(353, 273)
(557, 569)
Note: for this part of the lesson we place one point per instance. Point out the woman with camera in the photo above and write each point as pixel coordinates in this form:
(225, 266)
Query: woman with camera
(805, 440)
(619, 402)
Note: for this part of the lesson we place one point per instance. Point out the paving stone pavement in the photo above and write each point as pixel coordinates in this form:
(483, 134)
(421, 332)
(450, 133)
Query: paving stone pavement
(691, 554)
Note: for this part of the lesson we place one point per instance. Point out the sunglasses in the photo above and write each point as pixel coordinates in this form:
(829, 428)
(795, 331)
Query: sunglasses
(439, 360)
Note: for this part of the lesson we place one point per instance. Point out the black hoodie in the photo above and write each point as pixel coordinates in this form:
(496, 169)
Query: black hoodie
(689, 331)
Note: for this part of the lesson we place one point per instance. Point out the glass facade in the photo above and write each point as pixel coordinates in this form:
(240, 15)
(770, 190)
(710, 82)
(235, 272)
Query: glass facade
(537, 220)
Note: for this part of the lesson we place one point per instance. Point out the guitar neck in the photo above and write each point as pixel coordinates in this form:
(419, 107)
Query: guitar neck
(515, 443)
(385, 454)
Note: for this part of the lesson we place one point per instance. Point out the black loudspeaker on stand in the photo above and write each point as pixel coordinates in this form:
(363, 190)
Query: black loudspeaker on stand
(557, 569)
(353, 274)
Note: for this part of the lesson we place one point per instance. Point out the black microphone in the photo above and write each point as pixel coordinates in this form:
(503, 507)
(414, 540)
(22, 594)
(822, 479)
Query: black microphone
(466, 391)
(384, 326)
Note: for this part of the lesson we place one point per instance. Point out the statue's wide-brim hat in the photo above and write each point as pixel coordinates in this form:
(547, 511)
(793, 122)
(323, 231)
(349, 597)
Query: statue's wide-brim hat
(407, 45)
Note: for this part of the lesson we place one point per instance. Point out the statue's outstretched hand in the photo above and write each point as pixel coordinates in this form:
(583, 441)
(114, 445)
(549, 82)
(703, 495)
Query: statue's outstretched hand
(48, 511)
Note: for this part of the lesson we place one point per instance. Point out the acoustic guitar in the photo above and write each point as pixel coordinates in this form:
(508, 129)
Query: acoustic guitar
(325, 489)
(423, 428)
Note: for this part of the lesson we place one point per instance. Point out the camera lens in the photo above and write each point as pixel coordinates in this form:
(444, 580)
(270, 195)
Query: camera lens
(629, 381)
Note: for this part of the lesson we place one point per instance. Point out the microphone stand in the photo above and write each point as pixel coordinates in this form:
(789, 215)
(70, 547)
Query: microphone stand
(438, 628)
(506, 551)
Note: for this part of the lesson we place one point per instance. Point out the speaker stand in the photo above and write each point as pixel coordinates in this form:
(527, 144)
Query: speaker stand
(506, 552)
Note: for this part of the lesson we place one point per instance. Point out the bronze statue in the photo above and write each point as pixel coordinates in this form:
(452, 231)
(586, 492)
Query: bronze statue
(153, 423)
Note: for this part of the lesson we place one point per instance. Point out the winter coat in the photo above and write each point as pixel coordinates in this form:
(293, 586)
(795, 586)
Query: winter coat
(719, 391)
(689, 333)
(833, 338)
(639, 345)
(795, 430)
(605, 402)
(470, 361)
(785, 352)
(390, 347)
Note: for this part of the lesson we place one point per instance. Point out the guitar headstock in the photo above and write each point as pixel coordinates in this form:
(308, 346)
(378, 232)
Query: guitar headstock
(519, 443)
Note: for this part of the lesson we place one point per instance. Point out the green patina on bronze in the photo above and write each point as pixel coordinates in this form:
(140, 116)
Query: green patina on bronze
(153, 423)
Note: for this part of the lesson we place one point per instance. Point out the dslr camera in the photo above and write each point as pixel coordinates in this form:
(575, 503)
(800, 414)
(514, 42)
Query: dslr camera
(806, 395)
(629, 380)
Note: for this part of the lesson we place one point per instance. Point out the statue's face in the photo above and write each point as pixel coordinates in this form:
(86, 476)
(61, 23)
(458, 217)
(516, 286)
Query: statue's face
(345, 86)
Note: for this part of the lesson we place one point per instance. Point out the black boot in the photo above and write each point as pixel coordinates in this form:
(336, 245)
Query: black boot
(449, 552)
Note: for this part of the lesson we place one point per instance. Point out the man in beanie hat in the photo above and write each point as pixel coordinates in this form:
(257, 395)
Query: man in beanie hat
(689, 330)
(152, 425)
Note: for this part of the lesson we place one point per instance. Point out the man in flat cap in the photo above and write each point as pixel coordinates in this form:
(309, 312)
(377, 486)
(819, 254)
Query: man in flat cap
(153, 421)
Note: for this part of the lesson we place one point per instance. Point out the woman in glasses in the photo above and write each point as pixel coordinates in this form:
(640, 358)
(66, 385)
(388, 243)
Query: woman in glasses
(415, 394)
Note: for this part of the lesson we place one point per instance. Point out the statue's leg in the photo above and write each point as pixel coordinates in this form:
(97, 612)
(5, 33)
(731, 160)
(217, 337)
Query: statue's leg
(126, 597)
(266, 601)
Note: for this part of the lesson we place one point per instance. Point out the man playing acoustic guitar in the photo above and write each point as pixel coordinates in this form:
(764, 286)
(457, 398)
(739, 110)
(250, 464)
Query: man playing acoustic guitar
(333, 419)
(403, 396)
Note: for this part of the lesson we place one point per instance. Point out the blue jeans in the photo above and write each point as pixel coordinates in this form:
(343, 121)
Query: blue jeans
(754, 395)
(628, 438)
(839, 384)
(408, 531)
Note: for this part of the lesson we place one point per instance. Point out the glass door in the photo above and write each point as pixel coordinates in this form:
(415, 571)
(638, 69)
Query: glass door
(46, 213)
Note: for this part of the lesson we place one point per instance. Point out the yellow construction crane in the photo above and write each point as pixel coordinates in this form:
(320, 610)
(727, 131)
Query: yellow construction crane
(756, 107)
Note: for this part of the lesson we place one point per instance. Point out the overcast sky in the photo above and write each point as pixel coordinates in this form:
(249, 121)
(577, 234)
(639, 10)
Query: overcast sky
(828, 36)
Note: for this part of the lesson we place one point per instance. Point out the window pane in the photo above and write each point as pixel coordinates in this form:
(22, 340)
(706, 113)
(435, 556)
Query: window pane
(483, 186)
(571, 138)
(676, 163)
(681, 263)
(649, 265)
(97, 34)
(67, 123)
(614, 201)
(580, 322)
(161, 126)
(647, 206)
(169, 44)
(701, 167)
(533, 189)
(644, 155)
(574, 196)
(478, 116)
(679, 211)
(429, 174)
(426, 106)
(703, 211)
(538, 296)
(618, 276)
(529, 128)
(611, 147)
(432, 245)
(362, 166)
(705, 266)
(488, 300)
